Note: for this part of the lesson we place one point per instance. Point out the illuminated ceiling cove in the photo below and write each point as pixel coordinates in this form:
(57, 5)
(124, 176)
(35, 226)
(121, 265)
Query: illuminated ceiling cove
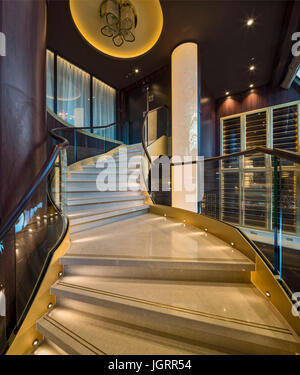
(86, 16)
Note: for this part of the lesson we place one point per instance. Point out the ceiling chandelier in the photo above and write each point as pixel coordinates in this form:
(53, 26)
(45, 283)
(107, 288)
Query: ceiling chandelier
(119, 21)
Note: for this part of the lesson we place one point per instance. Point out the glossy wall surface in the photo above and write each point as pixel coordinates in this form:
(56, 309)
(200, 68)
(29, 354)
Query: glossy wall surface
(23, 131)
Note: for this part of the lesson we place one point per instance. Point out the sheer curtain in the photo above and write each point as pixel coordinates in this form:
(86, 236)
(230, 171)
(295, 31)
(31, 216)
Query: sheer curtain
(50, 80)
(73, 93)
(104, 108)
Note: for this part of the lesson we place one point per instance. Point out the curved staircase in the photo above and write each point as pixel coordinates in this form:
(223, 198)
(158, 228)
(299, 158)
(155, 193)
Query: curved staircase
(88, 207)
(147, 284)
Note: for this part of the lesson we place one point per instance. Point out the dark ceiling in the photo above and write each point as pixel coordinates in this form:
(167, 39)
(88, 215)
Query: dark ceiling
(227, 45)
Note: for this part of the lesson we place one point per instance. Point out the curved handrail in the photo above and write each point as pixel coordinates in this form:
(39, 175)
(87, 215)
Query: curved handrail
(44, 172)
(288, 155)
(143, 128)
(87, 127)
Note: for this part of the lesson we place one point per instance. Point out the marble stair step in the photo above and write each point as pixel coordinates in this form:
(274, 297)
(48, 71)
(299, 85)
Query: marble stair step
(95, 194)
(114, 176)
(82, 333)
(101, 195)
(124, 168)
(158, 269)
(107, 199)
(236, 316)
(89, 174)
(84, 210)
(128, 152)
(111, 216)
(110, 163)
(106, 212)
(91, 186)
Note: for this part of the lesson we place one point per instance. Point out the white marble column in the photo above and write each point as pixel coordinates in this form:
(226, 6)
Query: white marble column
(185, 117)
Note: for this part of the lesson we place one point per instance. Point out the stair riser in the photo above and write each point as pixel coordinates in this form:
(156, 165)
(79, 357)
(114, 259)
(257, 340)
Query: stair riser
(112, 164)
(101, 222)
(183, 327)
(111, 171)
(100, 207)
(61, 342)
(114, 188)
(83, 175)
(156, 273)
(79, 202)
(129, 154)
(97, 194)
(81, 179)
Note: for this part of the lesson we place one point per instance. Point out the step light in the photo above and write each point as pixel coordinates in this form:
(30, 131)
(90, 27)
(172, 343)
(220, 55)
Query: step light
(232, 243)
(50, 305)
(35, 342)
(60, 274)
(268, 294)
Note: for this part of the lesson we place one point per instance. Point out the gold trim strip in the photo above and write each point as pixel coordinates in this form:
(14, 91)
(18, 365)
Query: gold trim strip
(142, 258)
(181, 309)
(262, 278)
(72, 334)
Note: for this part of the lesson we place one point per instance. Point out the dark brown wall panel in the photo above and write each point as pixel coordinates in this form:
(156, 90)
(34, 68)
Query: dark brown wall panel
(23, 132)
(256, 99)
(253, 99)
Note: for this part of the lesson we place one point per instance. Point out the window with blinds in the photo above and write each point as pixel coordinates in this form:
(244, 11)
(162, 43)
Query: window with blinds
(231, 140)
(285, 128)
(255, 193)
(288, 200)
(231, 197)
(247, 191)
(256, 135)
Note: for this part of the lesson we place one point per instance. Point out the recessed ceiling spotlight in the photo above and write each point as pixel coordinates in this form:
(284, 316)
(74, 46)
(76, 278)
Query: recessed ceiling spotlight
(227, 93)
(250, 21)
(252, 67)
(251, 85)
(136, 70)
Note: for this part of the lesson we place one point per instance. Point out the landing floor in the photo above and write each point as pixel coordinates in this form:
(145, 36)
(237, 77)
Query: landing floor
(155, 237)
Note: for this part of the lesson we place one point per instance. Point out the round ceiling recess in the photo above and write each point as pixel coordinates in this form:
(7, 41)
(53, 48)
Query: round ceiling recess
(88, 18)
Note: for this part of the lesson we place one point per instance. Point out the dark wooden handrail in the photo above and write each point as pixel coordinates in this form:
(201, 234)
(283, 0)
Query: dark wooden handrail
(86, 127)
(143, 128)
(287, 155)
(43, 173)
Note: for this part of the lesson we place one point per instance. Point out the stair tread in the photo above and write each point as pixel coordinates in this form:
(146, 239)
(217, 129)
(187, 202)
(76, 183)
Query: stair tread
(196, 263)
(104, 195)
(99, 210)
(235, 307)
(108, 199)
(91, 188)
(86, 334)
(107, 213)
(156, 237)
